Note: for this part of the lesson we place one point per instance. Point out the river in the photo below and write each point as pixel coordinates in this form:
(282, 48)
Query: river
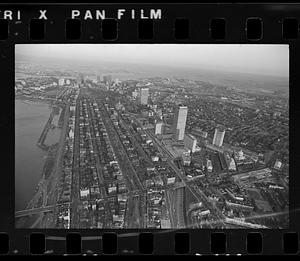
(30, 119)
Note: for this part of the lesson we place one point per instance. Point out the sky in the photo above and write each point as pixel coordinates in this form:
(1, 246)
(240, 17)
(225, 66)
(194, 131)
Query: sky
(252, 58)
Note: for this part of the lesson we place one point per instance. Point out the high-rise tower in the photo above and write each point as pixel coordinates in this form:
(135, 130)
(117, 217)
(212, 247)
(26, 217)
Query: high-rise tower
(144, 95)
(218, 137)
(179, 122)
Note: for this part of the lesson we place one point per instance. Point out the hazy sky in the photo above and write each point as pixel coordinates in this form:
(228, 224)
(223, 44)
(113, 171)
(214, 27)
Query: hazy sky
(262, 59)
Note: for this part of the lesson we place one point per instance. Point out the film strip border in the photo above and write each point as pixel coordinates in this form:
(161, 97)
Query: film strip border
(145, 29)
(147, 243)
(181, 23)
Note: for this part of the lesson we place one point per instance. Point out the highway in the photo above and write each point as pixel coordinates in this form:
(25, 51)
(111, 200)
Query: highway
(57, 169)
(43, 136)
(169, 204)
(179, 207)
(28, 212)
(175, 203)
(33, 211)
(198, 194)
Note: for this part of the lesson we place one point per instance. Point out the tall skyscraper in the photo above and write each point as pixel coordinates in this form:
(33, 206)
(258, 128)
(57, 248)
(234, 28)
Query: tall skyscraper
(190, 142)
(218, 137)
(179, 122)
(158, 128)
(144, 95)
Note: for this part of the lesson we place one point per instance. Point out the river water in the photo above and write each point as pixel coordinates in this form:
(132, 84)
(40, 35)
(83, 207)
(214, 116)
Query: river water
(30, 119)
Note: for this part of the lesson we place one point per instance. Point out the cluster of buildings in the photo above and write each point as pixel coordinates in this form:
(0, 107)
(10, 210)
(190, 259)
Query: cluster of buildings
(256, 128)
(66, 82)
(123, 146)
(157, 212)
(205, 159)
(137, 160)
(224, 159)
(235, 201)
(34, 84)
(104, 82)
(189, 140)
(105, 187)
(141, 95)
(155, 195)
(198, 213)
(88, 176)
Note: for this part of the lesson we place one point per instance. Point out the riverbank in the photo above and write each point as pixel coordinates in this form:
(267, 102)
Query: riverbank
(34, 166)
(46, 190)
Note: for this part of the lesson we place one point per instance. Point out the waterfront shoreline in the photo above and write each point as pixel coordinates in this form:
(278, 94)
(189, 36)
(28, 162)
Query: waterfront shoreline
(40, 195)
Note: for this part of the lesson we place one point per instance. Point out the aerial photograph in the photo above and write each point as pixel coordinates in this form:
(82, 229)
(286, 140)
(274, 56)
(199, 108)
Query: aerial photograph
(151, 136)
